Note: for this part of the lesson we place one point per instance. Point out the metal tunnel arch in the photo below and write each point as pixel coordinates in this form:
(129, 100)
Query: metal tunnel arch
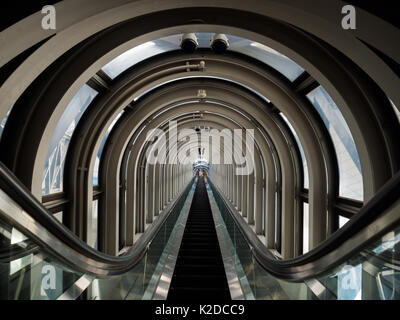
(325, 77)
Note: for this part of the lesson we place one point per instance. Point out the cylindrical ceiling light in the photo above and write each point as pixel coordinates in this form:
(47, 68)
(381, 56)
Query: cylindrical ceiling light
(219, 43)
(189, 42)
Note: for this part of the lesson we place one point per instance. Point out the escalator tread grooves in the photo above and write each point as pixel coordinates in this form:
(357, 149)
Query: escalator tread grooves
(199, 271)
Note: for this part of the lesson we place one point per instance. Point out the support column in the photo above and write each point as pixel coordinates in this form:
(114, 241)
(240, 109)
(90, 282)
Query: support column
(231, 183)
(164, 185)
(156, 189)
(270, 213)
(239, 198)
(258, 203)
(245, 196)
(226, 179)
(250, 214)
(169, 172)
(150, 194)
(234, 197)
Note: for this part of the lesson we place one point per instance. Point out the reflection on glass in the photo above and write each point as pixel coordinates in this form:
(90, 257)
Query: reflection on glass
(256, 283)
(26, 271)
(302, 154)
(93, 224)
(140, 53)
(18, 264)
(3, 122)
(372, 273)
(395, 109)
(349, 282)
(29, 272)
(350, 178)
(267, 55)
(388, 243)
(258, 51)
(141, 281)
(54, 166)
(306, 223)
(99, 153)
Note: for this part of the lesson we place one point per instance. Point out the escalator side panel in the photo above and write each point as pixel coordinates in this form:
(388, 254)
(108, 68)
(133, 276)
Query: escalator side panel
(199, 272)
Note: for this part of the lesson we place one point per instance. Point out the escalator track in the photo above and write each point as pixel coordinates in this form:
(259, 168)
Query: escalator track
(199, 271)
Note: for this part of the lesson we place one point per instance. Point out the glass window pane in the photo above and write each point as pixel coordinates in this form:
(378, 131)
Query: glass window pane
(54, 167)
(18, 264)
(350, 283)
(276, 60)
(395, 109)
(267, 55)
(59, 216)
(342, 221)
(140, 53)
(305, 227)
(3, 123)
(92, 225)
(99, 153)
(303, 156)
(350, 177)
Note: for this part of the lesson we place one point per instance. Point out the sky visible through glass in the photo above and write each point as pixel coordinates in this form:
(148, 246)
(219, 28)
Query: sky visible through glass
(349, 164)
(253, 49)
(54, 166)
(350, 177)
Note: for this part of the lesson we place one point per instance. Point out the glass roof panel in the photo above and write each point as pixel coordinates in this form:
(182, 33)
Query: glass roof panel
(267, 55)
(3, 123)
(140, 53)
(350, 177)
(54, 166)
(253, 49)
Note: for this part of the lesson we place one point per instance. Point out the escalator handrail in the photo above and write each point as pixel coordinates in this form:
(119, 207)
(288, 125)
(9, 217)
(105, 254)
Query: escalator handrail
(371, 223)
(36, 222)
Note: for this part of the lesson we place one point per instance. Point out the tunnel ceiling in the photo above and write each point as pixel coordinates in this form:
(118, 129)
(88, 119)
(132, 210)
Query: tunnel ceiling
(78, 103)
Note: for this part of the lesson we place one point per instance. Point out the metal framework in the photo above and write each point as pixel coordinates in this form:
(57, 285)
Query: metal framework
(131, 192)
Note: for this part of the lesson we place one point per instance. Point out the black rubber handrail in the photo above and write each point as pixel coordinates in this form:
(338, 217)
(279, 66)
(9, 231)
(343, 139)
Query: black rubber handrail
(89, 260)
(367, 226)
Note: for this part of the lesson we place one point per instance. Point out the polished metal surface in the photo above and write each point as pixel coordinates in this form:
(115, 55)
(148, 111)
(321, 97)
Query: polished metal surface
(58, 241)
(355, 76)
(161, 292)
(297, 269)
(77, 288)
(158, 286)
(320, 291)
(380, 215)
(235, 287)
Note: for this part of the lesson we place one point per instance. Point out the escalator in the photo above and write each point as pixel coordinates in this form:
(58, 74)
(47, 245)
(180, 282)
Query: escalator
(198, 248)
(199, 271)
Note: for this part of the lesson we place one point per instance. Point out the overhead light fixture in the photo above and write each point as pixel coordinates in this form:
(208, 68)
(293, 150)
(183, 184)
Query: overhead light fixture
(219, 42)
(189, 42)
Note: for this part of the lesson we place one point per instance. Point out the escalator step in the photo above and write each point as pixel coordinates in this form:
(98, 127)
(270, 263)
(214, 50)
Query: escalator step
(199, 272)
(195, 268)
(195, 294)
(199, 281)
